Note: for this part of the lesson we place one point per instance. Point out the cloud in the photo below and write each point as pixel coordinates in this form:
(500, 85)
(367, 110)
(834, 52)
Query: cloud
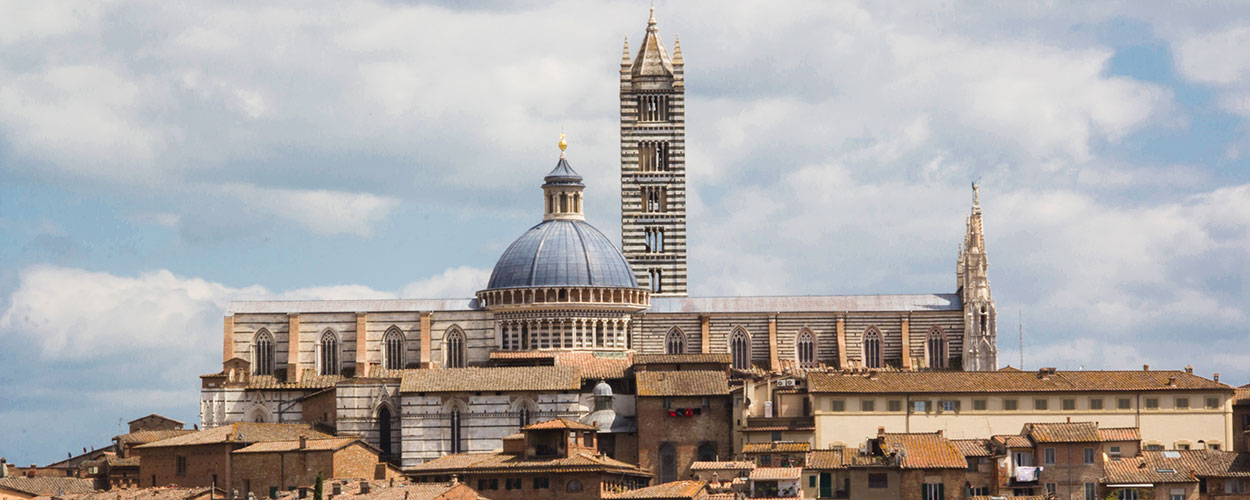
(461, 281)
(321, 211)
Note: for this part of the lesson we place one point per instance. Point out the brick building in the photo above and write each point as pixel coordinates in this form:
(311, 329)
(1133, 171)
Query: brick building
(891, 466)
(203, 458)
(683, 417)
(552, 459)
(268, 467)
(1178, 475)
(1241, 419)
(395, 489)
(1072, 455)
(154, 422)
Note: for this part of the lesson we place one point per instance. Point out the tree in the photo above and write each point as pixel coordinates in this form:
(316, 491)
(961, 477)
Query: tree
(318, 488)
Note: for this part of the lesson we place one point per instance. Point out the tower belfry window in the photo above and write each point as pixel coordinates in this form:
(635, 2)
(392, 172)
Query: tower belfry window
(263, 353)
(654, 239)
(656, 279)
(654, 199)
(653, 156)
(653, 108)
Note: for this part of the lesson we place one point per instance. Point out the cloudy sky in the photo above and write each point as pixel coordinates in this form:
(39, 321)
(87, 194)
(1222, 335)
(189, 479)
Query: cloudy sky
(158, 160)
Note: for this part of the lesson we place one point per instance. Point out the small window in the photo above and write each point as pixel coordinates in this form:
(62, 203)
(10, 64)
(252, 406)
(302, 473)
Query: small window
(811, 481)
(1234, 485)
(1089, 456)
(920, 406)
(707, 402)
(180, 464)
(894, 405)
(1114, 451)
(1214, 446)
(950, 405)
(1050, 487)
(1010, 405)
(1154, 447)
(1182, 403)
(1048, 456)
(1182, 446)
(668, 403)
(837, 405)
(494, 484)
(1090, 492)
(1152, 403)
(1095, 403)
(1041, 404)
(867, 405)
(542, 483)
(978, 404)
(1124, 404)
(776, 436)
(1213, 403)
(1127, 494)
(1068, 404)
(878, 481)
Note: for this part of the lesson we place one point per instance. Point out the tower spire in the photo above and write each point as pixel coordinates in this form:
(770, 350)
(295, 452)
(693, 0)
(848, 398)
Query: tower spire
(980, 331)
(562, 190)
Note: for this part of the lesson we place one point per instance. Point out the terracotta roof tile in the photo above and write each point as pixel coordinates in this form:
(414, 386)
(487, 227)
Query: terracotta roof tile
(1004, 381)
(973, 447)
(329, 444)
(141, 437)
(308, 381)
(523, 355)
(559, 423)
(1241, 395)
(47, 485)
(676, 490)
(837, 458)
(691, 358)
(774, 428)
(775, 473)
(925, 451)
(777, 447)
(402, 490)
(157, 493)
(1119, 434)
(503, 378)
(597, 365)
(240, 432)
(1063, 432)
(1013, 441)
(491, 463)
(723, 465)
(1182, 466)
(682, 383)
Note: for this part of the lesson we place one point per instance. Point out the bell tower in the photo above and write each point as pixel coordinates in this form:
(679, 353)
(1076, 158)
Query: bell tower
(653, 164)
(980, 350)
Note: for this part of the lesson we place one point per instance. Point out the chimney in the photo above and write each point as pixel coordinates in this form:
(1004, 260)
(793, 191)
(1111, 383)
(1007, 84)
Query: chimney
(4, 467)
(1145, 368)
(1216, 377)
(1045, 372)
(1189, 370)
(939, 433)
(303, 442)
(1069, 420)
(880, 432)
(1172, 381)
(872, 375)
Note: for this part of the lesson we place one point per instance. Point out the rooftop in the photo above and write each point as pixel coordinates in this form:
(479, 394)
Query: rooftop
(676, 490)
(973, 447)
(807, 303)
(1063, 432)
(925, 451)
(775, 473)
(242, 433)
(723, 465)
(682, 383)
(500, 463)
(47, 485)
(496, 379)
(1007, 381)
(142, 437)
(777, 447)
(559, 423)
(1183, 466)
(721, 358)
(327, 444)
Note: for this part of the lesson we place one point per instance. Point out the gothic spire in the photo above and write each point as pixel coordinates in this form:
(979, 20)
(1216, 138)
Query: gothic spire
(652, 59)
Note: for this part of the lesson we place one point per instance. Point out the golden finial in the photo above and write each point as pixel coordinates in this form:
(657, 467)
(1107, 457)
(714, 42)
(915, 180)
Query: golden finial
(563, 143)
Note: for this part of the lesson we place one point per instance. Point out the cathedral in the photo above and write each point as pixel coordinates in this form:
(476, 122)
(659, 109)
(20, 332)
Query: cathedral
(556, 330)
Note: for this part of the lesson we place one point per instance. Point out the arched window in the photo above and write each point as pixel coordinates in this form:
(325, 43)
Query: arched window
(384, 431)
(872, 348)
(668, 463)
(937, 348)
(805, 344)
(656, 277)
(393, 349)
(740, 349)
(329, 355)
(263, 353)
(453, 346)
(454, 441)
(675, 341)
(525, 411)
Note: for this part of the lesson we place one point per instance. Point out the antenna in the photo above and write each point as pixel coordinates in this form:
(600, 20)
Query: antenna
(1021, 313)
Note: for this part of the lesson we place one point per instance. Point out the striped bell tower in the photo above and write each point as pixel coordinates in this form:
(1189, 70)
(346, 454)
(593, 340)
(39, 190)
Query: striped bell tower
(653, 164)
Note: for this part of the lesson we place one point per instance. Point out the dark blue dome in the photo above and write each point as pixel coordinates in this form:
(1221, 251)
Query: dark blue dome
(562, 253)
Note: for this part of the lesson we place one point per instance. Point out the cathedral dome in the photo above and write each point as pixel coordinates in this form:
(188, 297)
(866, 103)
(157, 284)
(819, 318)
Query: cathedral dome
(562, 253)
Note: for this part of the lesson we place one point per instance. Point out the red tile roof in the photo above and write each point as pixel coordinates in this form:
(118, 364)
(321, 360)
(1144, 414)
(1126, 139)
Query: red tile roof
(925, 451)
(1183, 466)
(973, 447)
(47, 485)
(597, 364)
(1119, 434)
(497, 379)
(330, 444)
(775, 473)
(676, 490)
(682, 383)
(559, 423)
(1013, 441)
(1063, 432)
(157, 493)
(500, 463)
(240, 432)
(777, 447)
(692, 358)
(141, 437)
(1005, 381)
(837, 458)
(723, 465)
